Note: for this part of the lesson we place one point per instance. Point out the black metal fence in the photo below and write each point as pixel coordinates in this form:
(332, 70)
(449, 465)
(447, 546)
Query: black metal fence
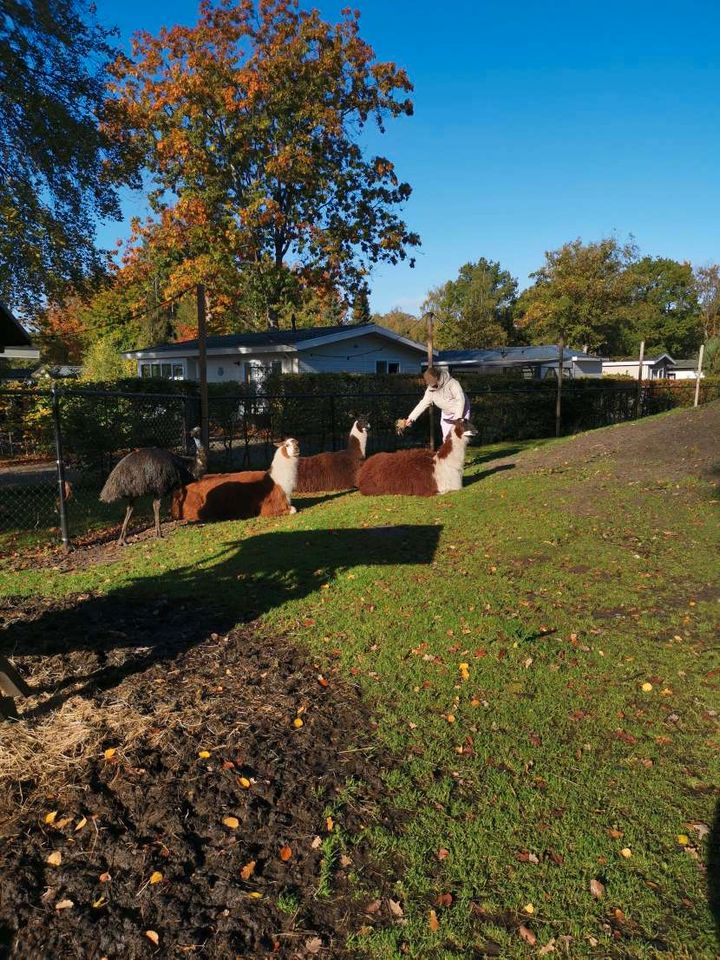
(57, 447)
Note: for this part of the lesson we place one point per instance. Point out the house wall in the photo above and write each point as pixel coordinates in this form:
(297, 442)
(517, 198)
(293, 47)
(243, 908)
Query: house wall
(227, 368)
(358, 355)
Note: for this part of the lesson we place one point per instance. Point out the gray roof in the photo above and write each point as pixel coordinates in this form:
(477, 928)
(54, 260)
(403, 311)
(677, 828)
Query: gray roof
(264, 338)
(548, 353)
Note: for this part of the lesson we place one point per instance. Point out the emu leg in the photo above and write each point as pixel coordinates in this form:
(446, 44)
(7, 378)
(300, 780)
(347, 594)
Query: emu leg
(156, 511)
(122, 542)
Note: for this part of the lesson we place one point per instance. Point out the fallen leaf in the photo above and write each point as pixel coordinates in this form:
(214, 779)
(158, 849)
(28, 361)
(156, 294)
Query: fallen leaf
(228, 765)
(285, 853)
(330, 824)
(110, 753)
(255, 895)
(100, 902)
(64, 904)
(443, 854)
(701, 829)
(50, 817)
(232, 822)
(373, 907)
(316, 842)
(244, 783)
(527, 935)
(322, 681)
(646, 687)
(597, 889)
(104, 878)
(626, 852)
(683, 839)
(248, 870)
(529, 908)
(450, 718)
(313, 945)
(433, 921)
(61, 824)
(154, 937)
(395, 908)
(80, 824)
(204, 755)
(156, 877)
(615, 834)
(444, 899)
(55, 858)
(548, 948)
(525, 856)
(297, 723)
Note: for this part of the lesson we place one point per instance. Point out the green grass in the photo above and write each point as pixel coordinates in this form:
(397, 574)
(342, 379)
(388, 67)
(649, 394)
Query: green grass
(564, 593)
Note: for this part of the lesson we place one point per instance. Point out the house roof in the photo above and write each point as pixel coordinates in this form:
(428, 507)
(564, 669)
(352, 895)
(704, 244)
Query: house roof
(12, 334)
(651, 360)
(548, 353)
(272, 341)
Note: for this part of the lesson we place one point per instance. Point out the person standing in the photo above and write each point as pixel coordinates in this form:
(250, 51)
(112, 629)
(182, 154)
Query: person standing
(444, 392)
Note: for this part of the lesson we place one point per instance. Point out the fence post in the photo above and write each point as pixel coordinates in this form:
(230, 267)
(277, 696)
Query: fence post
(558, 399)
(202, 364)
(638, 402)
(699, 374)
(60, 468)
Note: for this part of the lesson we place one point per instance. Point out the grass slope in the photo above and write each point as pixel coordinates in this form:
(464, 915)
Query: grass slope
(539, 652)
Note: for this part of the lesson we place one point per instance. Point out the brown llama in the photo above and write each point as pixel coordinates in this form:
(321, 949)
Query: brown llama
(237, 496)
(334, 471)
(418, 473)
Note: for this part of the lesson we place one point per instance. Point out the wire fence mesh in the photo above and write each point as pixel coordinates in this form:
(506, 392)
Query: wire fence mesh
(95, 428)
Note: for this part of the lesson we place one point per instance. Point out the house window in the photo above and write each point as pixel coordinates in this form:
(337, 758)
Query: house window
(165, 371)
(178, 373)
(145, 370)
(393, 368)
(221, 371)
(276, 367)
(381, 366)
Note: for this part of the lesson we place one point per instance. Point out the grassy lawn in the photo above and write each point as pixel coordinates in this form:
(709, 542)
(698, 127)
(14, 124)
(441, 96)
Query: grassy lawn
(540, 655)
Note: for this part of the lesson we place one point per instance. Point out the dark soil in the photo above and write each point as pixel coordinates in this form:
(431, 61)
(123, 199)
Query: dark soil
(155, 805)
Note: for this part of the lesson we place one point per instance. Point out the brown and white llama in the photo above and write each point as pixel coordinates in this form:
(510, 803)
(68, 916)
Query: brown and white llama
(249, 493)
(335, 471)
(419, 473)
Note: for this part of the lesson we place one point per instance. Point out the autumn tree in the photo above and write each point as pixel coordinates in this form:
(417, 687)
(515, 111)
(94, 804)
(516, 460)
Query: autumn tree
(476, 309)
(251, 124)
(664, 309)
(360, 312)
(582, 293)
(56, 166)
(707, 283)
(406, 324)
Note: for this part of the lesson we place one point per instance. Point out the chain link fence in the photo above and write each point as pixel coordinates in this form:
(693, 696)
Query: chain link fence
(57, 447)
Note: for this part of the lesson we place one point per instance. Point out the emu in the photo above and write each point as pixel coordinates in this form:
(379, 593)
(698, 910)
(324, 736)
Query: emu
(237, 496)
(419, 473)
(335, 471)
(152, 471)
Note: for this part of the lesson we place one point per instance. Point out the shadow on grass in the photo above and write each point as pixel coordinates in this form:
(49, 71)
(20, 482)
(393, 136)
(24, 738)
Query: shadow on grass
(484, 474)
(103, 639)
(713, 870)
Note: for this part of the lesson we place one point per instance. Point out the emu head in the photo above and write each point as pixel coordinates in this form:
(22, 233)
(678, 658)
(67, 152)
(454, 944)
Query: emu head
(289, 448)
(201, 458)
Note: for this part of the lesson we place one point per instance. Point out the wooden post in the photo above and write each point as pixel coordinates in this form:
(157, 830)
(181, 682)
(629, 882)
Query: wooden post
(638, 402)
(699, 374)
(202, 364)
(558, 399)
(60, 462)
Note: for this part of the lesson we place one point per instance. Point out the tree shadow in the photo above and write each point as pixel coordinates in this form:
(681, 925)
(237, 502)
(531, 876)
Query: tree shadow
(100, 641)
(484, 474)
(713, 870)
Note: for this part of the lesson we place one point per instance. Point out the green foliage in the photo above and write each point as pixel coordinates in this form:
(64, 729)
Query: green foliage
(664, 309)
(406, 324)
(707, 284)
(56, 166)
(476, 309)
(103, 359)
(711, 361)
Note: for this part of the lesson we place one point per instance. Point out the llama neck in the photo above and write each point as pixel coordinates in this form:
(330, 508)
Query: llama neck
(283, 471)
(357, 441)
(449, 462)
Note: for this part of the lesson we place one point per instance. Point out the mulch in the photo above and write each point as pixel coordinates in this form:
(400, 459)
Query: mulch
(239, 725)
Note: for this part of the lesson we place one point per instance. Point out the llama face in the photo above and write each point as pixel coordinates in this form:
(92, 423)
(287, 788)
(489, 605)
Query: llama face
(289, 448)
(464, 429)
(361, 425)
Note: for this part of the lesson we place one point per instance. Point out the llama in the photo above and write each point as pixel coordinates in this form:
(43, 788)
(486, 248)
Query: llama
(237, 496)
(151, 470)
(334, 471)
(419, 473)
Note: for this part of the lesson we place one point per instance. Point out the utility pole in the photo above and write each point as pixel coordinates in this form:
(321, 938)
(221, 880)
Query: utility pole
(699, 374)
(202, 363)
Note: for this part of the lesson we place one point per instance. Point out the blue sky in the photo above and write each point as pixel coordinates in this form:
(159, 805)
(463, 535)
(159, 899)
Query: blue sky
(535, 123)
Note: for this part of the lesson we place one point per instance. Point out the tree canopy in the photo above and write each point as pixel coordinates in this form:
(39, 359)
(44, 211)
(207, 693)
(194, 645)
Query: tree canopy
(476, 309)
(250, 124)
(56, 165)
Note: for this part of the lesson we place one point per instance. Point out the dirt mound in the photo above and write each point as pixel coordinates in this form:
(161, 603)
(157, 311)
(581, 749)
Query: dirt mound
(216, 798)
(672, 446)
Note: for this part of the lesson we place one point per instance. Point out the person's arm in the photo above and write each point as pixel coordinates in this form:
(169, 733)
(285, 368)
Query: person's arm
(420, 408)
(457, 398)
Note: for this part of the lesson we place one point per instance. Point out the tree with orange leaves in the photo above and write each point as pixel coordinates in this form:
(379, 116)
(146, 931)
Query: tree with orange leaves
(249, 123)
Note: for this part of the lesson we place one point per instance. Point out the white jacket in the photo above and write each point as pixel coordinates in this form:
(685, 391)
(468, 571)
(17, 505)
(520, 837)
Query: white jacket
(447, 395)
